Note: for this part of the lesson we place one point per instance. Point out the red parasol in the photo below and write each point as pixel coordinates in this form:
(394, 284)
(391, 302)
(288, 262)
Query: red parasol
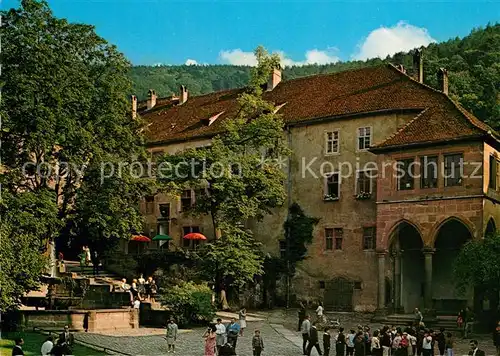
(140, 238)
(194, 236)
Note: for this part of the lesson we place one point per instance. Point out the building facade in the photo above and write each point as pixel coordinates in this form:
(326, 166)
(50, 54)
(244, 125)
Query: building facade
(385, 239)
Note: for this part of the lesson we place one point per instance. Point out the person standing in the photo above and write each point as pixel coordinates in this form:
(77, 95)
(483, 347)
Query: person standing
(302, 314)
(141, 287)
(18, 348)
(496, 338)
(427, 344)
(449, 344)
(209, 337)
(95, 263)
(220, 334)
(327, 342)
(340, 344)
(368, 342)
(233, 330)
(172, 330)
(474, 349)
(469, 320)
(154, 289)
(47, 346)
(417, 317)
(359, 344)
(350, 342)
(441, 341)
(257, 343)
(313, 340)
(385, 340)
(88, 256)
(304, 330)
(319, 312)
(242, 316)
(81, 258)
(375, 344)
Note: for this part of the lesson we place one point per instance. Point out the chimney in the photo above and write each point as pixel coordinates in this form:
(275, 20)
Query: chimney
(274, 79)
(183, 97)
(442, 76)
(152, 99)
(418, 66)
(134, 106)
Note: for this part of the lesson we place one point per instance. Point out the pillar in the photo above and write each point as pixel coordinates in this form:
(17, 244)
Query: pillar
(428, 252)
(397, 281)
(381, 279)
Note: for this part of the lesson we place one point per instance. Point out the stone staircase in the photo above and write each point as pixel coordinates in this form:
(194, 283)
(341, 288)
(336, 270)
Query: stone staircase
(441, 321)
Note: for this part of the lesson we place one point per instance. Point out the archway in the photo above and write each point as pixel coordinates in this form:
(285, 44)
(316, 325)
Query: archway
(451, 236)
(407, 267)
(491, 228)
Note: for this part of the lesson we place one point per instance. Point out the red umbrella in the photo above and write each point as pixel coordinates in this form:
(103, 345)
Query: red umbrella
(140, 238)
(194, 236)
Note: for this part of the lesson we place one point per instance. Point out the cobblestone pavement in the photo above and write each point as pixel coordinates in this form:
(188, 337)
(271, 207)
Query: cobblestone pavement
(191, 343)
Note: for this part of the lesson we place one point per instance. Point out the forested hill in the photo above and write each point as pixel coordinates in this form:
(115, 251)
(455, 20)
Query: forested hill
(473, 65)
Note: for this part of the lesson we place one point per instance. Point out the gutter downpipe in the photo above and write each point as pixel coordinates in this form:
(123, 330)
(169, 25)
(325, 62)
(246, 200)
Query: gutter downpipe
(289, 203)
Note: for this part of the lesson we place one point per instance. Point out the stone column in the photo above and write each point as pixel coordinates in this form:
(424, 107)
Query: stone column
(428, 252)
(397, 281)
(381, 279)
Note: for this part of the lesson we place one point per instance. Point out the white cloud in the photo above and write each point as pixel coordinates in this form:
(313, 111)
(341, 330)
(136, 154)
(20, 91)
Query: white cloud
(313, 56)
(389, 40)
(191, 62)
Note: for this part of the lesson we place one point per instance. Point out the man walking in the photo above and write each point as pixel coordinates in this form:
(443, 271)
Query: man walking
(233, 330)
(302, 314)
(304, 329)
(313, 340)
(220, 334)
(418, 317)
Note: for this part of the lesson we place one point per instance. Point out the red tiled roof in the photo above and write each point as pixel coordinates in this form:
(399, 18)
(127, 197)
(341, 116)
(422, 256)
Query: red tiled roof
(372, 89)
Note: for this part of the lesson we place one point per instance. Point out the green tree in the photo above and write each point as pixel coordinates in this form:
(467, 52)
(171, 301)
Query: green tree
(485, 271)
(65, 114)
(239, 175)
(28, 222)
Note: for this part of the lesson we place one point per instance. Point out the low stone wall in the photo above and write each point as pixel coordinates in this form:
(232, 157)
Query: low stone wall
(98, 320)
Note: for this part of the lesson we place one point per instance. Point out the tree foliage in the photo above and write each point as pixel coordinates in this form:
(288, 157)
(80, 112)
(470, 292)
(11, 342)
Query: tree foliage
(299, 229)
(237, 176)
(472, 63)
(189, 302)
(484, 271)
(65, 114)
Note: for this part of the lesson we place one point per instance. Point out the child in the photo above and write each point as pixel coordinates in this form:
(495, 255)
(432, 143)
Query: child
(257, 343)
(449, 344)
(326, 342)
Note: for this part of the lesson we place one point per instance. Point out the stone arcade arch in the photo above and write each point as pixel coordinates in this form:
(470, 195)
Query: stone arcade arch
(451, 235)
(491, 228)
(407, 267)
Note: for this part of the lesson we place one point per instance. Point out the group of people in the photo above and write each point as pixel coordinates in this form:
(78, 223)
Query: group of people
(414, 340)
(62, 346)
(86, 257)
(140, 289)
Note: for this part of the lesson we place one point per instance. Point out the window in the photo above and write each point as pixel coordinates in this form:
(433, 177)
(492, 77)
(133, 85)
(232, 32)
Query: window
(321, 284)
(163, 229)
(357, 285)
(369, 238)
(453, 170)
(328, 239)
(199, 193)
(150, 204)
(165, 210)
(283, 249)
(493, 173)
(339, 235)
(190, 243)
(428, 171)
(405, 174)
(332, 189)
(364, 182)
(364, 138)
(332, 142)
(186, 200)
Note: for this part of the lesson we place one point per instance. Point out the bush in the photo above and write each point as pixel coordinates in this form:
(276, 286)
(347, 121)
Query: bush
(189, 302)
(121, 264)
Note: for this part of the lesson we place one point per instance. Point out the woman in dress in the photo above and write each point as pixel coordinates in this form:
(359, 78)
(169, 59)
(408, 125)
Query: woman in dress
(243, 320)
(209, 337)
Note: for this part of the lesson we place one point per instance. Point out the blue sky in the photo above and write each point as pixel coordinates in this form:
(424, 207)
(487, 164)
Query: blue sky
(173, 32)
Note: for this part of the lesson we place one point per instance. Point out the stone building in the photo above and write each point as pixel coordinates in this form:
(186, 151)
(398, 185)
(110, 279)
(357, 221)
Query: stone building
(384, 240)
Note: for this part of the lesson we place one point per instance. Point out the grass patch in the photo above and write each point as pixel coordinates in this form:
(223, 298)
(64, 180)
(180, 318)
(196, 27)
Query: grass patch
(33, 343)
